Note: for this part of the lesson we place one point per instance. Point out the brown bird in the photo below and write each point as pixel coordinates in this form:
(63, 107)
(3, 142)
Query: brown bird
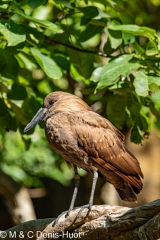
(87, 140)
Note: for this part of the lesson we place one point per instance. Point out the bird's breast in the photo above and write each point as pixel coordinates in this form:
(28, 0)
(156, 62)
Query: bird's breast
(62, 140)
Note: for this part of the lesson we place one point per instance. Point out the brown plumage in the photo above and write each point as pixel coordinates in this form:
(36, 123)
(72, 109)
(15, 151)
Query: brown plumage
(87, 140)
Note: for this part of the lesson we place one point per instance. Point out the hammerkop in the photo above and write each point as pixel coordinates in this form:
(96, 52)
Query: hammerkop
(87, 140)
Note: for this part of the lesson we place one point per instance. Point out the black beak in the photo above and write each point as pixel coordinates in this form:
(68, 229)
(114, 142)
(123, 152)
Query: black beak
(37, 118)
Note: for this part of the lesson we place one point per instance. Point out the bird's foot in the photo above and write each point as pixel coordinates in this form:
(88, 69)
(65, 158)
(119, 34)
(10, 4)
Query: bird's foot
(89, 206)
(67, 213)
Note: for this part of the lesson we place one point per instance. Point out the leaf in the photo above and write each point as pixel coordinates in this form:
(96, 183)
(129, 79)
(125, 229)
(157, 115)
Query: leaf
(17, 92)
(62, 61)
(141, 128)
(3, 107)
(89, 32)
(153, 80)
(115, 37)
(3, 88)
(127, 28)
(8, 64)
(36, 3)
(155, 111)
(43, 23)
(101, 70)
(136, 134)
(141, 84)
(13, 32)
(27, 141)
(33, 35)
(6, 119)
(132, 109)
(135, 30)
(82, 62)
(47, 64)
(155, 96)
(18, 113)
(145, 119)
(152, 48)
(116, 110)
(67, 4)
(29, 109)
(138, 48)
(110, 73)
(90, 12)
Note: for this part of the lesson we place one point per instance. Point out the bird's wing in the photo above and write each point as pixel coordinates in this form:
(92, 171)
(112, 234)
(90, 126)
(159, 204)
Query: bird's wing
(103, 143)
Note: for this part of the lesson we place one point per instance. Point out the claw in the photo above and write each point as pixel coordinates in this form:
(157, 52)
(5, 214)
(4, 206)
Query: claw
(67, 213)
(89, 206)
(57, 219)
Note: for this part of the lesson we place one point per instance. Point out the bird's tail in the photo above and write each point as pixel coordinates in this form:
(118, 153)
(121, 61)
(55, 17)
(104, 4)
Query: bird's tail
(127, 194)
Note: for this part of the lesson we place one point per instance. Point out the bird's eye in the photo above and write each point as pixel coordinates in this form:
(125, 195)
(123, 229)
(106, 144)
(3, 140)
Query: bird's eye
(51, 102)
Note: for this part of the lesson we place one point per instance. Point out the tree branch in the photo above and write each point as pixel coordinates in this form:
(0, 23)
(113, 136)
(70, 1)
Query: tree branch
(78, 49)
(105, 222)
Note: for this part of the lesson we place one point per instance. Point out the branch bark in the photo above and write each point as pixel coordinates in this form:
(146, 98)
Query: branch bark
(78, 49)
(105, 222)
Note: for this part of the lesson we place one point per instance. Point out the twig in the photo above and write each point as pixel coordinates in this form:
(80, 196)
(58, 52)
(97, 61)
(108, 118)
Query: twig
(78, 49)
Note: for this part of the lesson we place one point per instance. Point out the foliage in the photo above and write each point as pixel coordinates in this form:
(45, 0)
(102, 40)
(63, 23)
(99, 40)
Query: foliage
(96, 49)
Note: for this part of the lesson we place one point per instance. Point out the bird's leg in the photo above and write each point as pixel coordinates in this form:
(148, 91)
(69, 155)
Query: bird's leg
(89, 205)
(77, 181)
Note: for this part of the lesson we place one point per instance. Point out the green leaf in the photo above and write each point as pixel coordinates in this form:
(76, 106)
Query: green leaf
(13, 32)
(115, 37)
(127, 28)
(47, 64)
(116, 110)
(155, 96)
(138, 48)
(145, 119)
(36, 3)
(141, 84)
(3, 87)
(153, 80)
(3, 107)
(136, 134)
(17, 92)
(155, 111)
(135, 30)
(18, 113)
(107, 48)
(90, 12)
(33, 35)
(89, 32)
(62, 61)
(29, 109)
(110, 73)
(152, 48)
(141, 128)
(67, 4)
(83, 63)
(6, 119)
(26, 139)
(8, 64)
(132, 109)
(43, 23)
(101, 70)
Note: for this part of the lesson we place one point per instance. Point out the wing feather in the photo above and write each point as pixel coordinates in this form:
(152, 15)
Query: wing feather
(104, 145)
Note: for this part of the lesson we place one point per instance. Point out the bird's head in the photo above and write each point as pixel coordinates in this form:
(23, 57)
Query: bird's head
(56, 102)
(49, 101)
